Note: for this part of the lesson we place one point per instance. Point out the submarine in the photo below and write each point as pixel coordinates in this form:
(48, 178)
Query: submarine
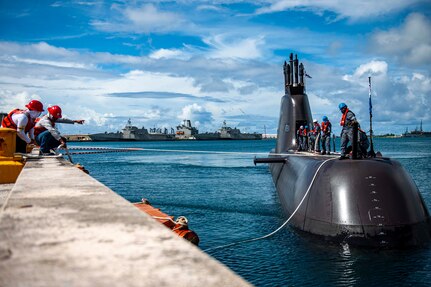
(364, 202)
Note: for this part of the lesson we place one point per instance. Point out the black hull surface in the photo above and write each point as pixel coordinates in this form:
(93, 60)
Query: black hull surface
(368, 202)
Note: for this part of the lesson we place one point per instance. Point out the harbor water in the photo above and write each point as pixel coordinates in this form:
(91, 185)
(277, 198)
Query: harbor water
(227, 199)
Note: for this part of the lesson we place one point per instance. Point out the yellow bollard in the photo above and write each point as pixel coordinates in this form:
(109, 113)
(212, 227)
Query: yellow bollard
(7, 142)
(10, 166)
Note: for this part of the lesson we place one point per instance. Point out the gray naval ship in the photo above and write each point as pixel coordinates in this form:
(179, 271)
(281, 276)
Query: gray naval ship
(370, 202)
(186, 131)
(416, 133)
(228, 133)
(133, 133)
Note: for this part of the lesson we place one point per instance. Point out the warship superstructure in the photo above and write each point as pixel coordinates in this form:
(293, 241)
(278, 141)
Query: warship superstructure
(228, 133)
(133, 133)
(186, 131)
(416, 133)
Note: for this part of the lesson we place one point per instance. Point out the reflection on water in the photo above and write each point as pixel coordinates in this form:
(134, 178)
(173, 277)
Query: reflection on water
(228, 199)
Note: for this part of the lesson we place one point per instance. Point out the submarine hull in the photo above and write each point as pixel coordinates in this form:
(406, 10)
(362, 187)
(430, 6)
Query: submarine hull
(369, 202)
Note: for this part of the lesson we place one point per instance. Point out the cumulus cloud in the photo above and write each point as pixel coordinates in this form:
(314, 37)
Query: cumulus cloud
(144, 19)
(399, 97)
(410, 43)
(223, 47)
(103, 99)
(354, 9)
(373, 68)
(168, 54)
(197, 114)
(10, 100)
(397, 101)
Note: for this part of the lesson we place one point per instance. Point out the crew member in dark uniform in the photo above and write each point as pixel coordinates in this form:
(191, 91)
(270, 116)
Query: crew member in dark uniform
(305, 138)
(364, 143)
(316, 136)
(347, 120)
(326, 135)
(300, 138)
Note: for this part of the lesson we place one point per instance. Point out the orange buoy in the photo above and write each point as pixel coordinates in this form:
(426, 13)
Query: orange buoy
(187, 234)
(179, 227)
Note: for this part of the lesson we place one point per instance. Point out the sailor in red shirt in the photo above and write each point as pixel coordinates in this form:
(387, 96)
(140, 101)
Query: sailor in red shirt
(23, 122)
(47, 135)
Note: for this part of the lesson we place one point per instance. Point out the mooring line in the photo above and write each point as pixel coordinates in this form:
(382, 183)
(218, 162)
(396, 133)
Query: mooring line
(284, 224)
(3, 207)
(188, 151)
(102, 148)
(98, 151)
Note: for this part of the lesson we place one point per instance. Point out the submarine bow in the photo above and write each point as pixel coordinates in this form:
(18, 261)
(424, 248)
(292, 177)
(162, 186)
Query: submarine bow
(370, 202)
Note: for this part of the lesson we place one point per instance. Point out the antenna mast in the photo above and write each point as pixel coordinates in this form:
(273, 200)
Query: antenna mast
(371, 153)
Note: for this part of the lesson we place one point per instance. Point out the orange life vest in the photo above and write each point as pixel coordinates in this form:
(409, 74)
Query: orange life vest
(9, 123)
(40, 129)
(304, 132)
(343, 118)
(325, 126)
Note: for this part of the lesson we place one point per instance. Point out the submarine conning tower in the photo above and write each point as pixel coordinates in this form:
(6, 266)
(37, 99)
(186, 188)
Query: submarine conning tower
(295, 108)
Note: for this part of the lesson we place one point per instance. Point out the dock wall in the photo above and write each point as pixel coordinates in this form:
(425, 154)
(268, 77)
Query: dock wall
(61, 227)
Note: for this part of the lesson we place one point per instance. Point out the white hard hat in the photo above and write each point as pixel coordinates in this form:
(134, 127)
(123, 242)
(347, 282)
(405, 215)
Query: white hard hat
(301, 127)
(315, 121)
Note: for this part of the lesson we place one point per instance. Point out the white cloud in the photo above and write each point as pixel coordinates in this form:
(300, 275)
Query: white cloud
(10, 100)
(152, 114)
(373, 68)
(410, 43)
(354, 9)
(145, 19)
(197, 114)
(44, 54)
(397, 100)
(209, 8)
(91, 117)
(138, 80)
(168, 54)
(38, 49)
(54, 63)
(248, 48)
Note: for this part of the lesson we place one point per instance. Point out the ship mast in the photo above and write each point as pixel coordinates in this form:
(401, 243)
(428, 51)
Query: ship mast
(371, 153)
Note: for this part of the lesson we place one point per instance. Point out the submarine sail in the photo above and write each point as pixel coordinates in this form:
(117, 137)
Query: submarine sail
(370, 202)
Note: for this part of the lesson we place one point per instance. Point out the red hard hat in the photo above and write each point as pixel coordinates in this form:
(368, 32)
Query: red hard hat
(35, 105)
(55, 111)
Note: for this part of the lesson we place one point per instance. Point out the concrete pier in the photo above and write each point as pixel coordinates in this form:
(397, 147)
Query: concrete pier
(61, 227)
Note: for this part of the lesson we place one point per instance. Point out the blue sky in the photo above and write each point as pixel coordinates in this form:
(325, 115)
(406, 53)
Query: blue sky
(159, 62)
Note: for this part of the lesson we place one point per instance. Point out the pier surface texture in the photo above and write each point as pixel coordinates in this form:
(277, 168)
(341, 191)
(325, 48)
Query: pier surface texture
(61, 227)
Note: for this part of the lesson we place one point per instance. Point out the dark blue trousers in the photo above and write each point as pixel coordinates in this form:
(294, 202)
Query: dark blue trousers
(46, 141)
(326, 143)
